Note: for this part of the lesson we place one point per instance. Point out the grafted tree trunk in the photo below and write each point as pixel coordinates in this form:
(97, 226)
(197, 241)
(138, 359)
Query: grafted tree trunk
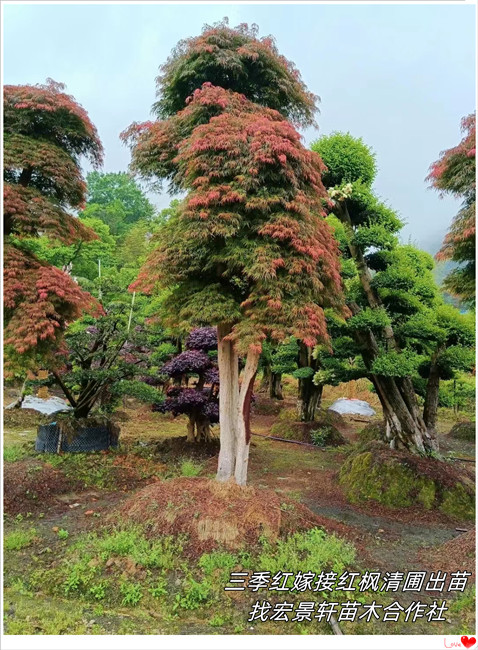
(228, 364)
(243, 430)
(234, 409)
(310, 397)
(405, 424)
(276, 386)
(199, 428)
(265, 386)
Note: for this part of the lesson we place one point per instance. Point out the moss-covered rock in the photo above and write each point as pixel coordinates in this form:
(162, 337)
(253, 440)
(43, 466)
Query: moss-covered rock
(326, 435)
(464, 431)
(323, 432)
(373, 431)
(398, 479)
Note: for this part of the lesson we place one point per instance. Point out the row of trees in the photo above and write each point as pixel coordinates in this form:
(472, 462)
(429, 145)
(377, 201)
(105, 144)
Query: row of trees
(297, 277)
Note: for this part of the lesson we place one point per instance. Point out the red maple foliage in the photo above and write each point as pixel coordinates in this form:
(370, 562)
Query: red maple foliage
(455, 173)
(45, 133)
(250, 238)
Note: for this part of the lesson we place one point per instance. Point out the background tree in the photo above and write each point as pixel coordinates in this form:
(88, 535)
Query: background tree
(45, 134)
(275, 361)
(455, 173)
(117, 200)
(199, 401)
(108, 357)
(248, 250)
(80, 259)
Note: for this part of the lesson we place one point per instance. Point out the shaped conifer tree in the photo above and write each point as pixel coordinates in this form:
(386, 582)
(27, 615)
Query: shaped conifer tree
(45, 134)
(249, 250)
(400, 326)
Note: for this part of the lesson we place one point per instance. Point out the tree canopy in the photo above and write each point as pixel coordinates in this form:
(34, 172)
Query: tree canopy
(455, 173)
(249, 244)
(238, 60)
(46, 133)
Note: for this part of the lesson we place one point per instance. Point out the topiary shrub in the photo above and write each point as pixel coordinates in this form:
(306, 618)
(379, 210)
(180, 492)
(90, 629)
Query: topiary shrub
(398, 479)
(464, 431)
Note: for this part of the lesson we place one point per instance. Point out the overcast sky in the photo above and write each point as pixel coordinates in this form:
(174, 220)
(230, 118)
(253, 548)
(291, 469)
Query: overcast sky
(399, 76)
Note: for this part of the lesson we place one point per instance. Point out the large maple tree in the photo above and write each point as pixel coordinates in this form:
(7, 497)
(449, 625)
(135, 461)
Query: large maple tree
(455, 173)
(46, 132)
(248, 250)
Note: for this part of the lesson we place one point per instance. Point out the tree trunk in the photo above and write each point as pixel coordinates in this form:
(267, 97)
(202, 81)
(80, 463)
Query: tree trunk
(234, 409)
(310, 397)
(191, 437)
(18, 402)
(243, 431)
(228, 363)
(430, 408)
(276, 386)
(265, 386)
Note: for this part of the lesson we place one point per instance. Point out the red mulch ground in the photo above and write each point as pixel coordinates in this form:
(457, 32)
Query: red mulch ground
(456, 555)
(31, 485)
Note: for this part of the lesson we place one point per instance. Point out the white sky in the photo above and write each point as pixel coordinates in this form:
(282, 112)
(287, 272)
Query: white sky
(400, 76)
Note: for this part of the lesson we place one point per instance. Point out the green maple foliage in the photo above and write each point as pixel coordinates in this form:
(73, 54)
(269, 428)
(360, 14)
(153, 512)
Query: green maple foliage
(400, 329)
(234, 59)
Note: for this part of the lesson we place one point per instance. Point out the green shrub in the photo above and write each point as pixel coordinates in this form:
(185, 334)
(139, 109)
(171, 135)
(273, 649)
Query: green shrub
(193, 595)
(327, 435)
(190, 468)
(132, 593)
(12, 453)
(303, 550)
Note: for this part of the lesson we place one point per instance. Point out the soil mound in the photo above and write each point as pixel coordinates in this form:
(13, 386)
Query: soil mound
(30, 485)
(214, 514)
(175, 447)
(27, 418)
(323, 432)
(373, 431)
(400, 479)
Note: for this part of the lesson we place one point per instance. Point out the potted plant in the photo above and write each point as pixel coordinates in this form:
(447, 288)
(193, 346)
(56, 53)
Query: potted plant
(105, 357)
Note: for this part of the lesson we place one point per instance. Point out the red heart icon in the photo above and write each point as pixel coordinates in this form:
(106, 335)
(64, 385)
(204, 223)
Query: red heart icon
(468, 641)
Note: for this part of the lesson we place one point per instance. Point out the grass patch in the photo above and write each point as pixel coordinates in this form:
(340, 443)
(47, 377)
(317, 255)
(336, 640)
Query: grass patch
(12, 453)
(18, 539)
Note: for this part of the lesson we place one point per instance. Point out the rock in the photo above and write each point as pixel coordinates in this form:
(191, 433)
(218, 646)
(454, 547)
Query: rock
(464, 431)
(46, 406)
(398, 479)
(373, 431)
(346, 406)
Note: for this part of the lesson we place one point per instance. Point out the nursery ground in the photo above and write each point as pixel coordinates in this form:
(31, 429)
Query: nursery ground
(70, 570)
